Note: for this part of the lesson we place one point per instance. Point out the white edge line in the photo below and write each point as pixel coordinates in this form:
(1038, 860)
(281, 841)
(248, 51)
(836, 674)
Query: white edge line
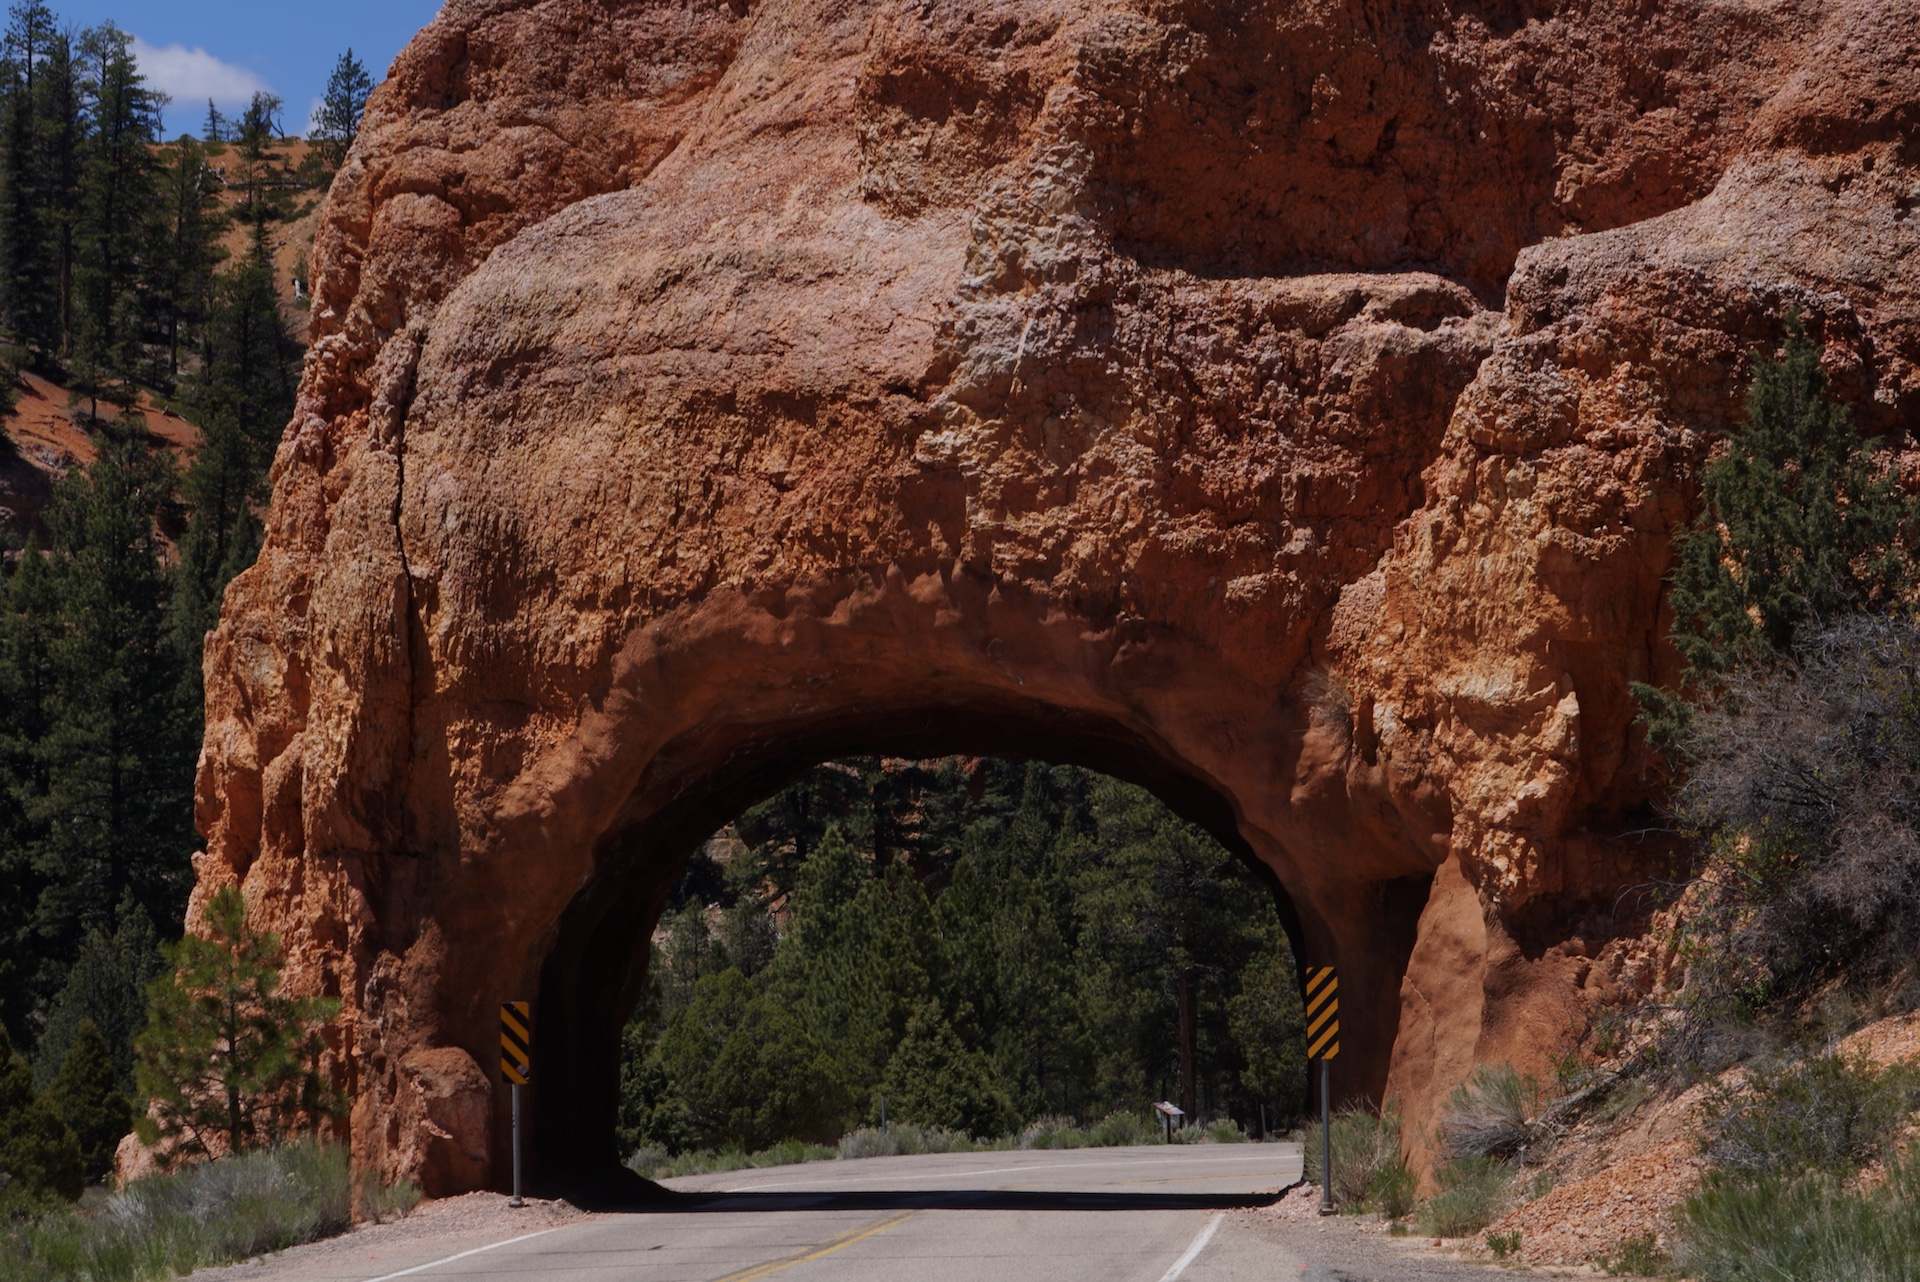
(1198, 1245)
(478, 1250)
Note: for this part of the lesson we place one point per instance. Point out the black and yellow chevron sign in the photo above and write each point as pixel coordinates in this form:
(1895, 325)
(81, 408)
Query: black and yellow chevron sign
(516, 1042)
(1323, 1012)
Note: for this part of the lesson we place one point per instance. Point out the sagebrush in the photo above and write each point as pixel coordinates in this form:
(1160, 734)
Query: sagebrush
(210, 1214)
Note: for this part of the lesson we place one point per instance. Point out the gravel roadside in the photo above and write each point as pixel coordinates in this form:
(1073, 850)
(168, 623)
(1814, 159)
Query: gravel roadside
(435, 1230)
(1358, 1248)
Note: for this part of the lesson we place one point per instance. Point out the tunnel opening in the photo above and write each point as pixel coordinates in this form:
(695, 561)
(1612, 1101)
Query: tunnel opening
(595, 975)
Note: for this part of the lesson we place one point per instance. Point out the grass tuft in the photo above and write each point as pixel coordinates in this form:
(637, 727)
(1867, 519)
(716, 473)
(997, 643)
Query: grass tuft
(1640, 1256)
(1494, 1113)
(1473, 1192)
(1369, 1173)
(1503, 1245)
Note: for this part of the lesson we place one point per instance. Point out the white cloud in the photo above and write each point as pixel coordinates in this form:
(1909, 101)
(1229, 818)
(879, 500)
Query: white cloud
(192, 76)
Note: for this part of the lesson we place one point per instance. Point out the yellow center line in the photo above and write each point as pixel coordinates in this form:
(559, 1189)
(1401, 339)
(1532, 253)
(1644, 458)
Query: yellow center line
(833, 1247)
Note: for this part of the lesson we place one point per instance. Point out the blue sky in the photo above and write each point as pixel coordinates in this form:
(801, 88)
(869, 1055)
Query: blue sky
(226, 49)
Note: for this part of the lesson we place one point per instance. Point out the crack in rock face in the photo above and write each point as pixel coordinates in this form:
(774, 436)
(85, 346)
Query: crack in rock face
(1287, 405)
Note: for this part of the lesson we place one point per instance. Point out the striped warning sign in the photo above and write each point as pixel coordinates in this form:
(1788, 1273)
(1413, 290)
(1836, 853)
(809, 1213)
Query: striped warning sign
(516, 1042)
(1323, 1013)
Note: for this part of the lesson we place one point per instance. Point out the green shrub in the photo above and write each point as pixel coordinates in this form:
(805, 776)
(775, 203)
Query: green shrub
(1828, 1113)
(1225, 1130)
(1473, 1192)
(1814, 1228)
(904, 1140)
(1392, 1191)
(1050, 1133)
(1503, 1245)
(1124, 1130)
(1491, 1114)
(1640, 1256)
(202, 1216)
(1369, 1173)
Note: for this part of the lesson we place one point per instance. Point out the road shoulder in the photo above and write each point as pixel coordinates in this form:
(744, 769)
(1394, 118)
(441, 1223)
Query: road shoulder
(436, 1230)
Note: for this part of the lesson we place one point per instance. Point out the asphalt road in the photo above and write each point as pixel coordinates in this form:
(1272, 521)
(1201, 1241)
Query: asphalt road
(1155, 1214)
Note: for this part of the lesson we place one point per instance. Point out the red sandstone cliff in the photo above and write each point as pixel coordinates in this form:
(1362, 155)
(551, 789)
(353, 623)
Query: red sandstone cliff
(1286, 403)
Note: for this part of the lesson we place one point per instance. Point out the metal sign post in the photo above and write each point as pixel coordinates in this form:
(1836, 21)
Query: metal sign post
(516, 1065)
(1323, 1044)
(1169, 1111)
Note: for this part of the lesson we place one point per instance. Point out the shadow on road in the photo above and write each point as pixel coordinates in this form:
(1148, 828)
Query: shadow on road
(933, 1200)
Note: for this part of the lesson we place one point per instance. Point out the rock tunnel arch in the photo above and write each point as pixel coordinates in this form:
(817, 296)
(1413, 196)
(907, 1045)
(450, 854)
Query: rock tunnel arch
(688, 380)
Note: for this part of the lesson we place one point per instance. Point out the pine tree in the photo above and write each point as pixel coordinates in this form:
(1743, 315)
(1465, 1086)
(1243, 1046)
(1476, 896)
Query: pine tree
(854, 963)
(1006, 922)
(214, 130)
(39, 1156)
(252, 362)
(228, 1060)
(28, 618)
(338, 122)
(935, 1080)
(87, 1096)
(106, 987)
(260, 174)
(30, 287)
(242, 399)
(1800, 526)
(1268, 1024)
(59, 136)
(189, 249)
(114, 811)
(119, 202)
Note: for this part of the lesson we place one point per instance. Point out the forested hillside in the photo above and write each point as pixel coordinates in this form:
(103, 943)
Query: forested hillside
(978, 944)
(148, 362)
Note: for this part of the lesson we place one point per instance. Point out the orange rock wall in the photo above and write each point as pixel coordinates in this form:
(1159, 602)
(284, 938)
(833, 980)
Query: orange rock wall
(1288, 404)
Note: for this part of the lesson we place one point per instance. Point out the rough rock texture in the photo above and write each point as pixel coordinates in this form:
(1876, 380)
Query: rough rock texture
(1287, 404)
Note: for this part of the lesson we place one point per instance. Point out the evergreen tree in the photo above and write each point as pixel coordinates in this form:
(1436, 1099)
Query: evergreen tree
(1800, 526)
(337, 123)
(228, 1060)
(214, 130)
(1161, 901)
(59, 137)
(119, 202)
(1006, 923)
(39, 1156)
(28, 612)
(242, 399)
(1267, 1021)
(855, 960)
(87, 1096)
(189, 249)
(114, 805)
(106, 988)
(31, 296)
(260, 175)
(935, 1080)
(745, 1069)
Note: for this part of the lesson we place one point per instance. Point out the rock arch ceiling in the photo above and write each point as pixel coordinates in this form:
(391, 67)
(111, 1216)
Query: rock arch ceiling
(1295, 401)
